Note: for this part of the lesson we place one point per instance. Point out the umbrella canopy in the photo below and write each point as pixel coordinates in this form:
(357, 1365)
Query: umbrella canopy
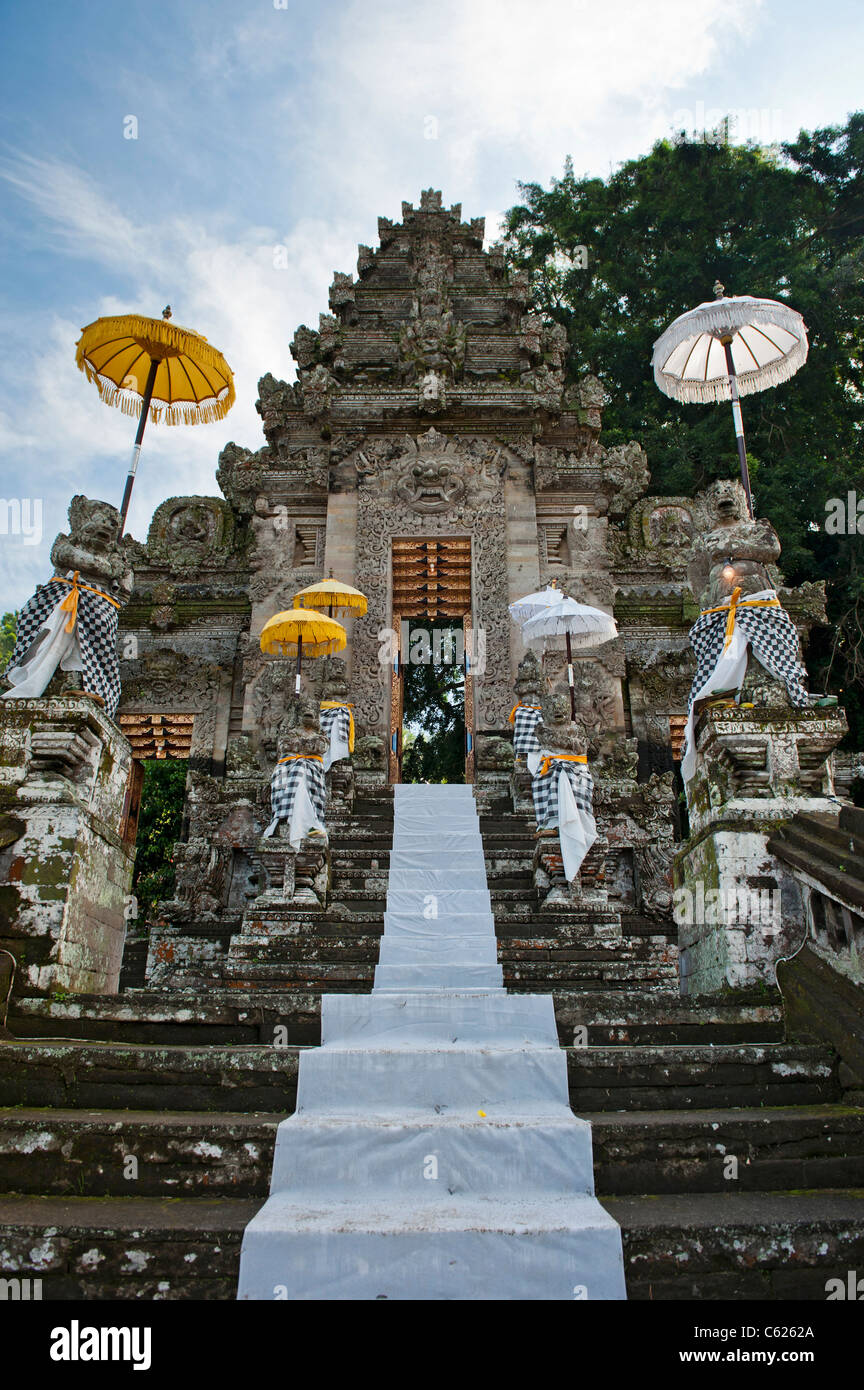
(584, 626)
(767, 339)
(333, 595)
(532, 604)
(726, 348)
(299, 629)
(153, 369)
(192, 383)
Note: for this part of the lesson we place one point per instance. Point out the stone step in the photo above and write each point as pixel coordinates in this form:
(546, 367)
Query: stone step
(705, 1246)
(362, 948)
(145, 1248)
(142, 1077)
(309, 975)
(699, 1078)
(742, 1246)
(550, 974)
(225, 1016)
(85, 1152)
(177, 1153)
(262, 1077)
(782, 1148)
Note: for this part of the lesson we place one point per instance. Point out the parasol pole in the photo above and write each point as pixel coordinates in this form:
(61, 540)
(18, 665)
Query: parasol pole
(570, 679)
(739, 424)
(299, 660)
(136, 451)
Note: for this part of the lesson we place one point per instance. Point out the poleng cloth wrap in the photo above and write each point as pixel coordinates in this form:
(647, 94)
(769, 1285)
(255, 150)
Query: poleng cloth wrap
(337, 722)
(721, 637)
(563, 791)
(298, 794)
(75, 630)
(525, 719)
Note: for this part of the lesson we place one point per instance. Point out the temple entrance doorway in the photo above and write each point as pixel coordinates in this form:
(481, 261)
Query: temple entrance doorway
(432, 691)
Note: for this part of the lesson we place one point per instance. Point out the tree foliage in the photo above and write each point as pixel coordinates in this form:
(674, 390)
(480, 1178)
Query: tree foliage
(659, 232)
(434, 716)
(8, 627)
(158, 830)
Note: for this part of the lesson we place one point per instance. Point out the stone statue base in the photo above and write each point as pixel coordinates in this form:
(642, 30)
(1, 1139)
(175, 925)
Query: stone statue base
(69, 844)
(755, 769)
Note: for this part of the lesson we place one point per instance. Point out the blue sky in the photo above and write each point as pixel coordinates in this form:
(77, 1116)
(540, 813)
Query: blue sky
(263, 124)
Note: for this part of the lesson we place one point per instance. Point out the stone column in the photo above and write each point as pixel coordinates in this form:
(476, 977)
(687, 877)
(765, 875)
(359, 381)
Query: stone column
(755, 769)
(67, 862)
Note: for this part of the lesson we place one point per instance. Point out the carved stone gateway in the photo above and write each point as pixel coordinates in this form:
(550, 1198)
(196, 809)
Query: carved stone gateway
(430, 454)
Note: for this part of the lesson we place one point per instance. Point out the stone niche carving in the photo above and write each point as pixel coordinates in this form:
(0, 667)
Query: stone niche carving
(272, 698)
(661, 530)
(168, 679)
(191, 533)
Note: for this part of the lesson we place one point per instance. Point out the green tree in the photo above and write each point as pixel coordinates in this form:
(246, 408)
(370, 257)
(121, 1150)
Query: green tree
(8, 626)
(659, 232)
(433, 748)
(158, 830)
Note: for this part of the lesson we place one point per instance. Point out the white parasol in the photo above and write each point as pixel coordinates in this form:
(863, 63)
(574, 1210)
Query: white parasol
(730, 347)
(579, 624)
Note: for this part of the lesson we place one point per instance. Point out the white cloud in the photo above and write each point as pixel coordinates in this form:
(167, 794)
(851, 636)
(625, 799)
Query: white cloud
(56, 432)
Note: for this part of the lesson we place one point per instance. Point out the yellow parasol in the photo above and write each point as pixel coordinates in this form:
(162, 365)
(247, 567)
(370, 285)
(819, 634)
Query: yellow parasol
(297, 630)
(150, 367)
(333, 595)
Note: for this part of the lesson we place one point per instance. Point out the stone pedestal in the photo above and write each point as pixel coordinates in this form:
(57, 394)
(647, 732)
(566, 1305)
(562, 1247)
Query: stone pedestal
(67, 862)
(587, 890)
(755, 769)
(293, 876)
(340, 787)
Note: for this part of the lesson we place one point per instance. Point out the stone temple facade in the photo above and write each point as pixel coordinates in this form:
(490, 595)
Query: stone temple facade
(430, 454)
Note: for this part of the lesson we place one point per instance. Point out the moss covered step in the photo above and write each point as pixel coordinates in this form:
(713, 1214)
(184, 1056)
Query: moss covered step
(87, 1153)
(805, 1146)
(85, 1248)
(100, 1076)
(699, 1078)
(738, 1245)
(698, 1246)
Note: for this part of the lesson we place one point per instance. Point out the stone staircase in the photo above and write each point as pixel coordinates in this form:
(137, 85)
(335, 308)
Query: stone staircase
(192, 1085)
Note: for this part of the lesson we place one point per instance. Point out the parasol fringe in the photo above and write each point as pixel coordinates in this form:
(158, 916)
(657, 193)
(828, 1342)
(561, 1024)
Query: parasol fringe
(691, 391)
(153, 330)
(176, 413)
(718, 317)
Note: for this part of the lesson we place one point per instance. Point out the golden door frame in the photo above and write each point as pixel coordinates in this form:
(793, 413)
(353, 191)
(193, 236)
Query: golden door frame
(431, 578)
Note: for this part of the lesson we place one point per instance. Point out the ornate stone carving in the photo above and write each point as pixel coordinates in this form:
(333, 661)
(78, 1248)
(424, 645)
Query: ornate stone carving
(625, 476)
(92, 548)
(189, 534)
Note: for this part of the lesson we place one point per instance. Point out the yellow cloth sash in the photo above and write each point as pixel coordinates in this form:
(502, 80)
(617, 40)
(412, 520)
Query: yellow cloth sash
(559, 758)
(70, 602)
(519, 705)
(343, 704)
(735, 602)
(292, 756)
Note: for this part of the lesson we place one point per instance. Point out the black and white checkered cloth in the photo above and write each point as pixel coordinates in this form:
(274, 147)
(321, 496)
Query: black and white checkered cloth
(545, 790)
(525, 720)
(287, 777)
(341, 717)
(772, 638)
(96, 626)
